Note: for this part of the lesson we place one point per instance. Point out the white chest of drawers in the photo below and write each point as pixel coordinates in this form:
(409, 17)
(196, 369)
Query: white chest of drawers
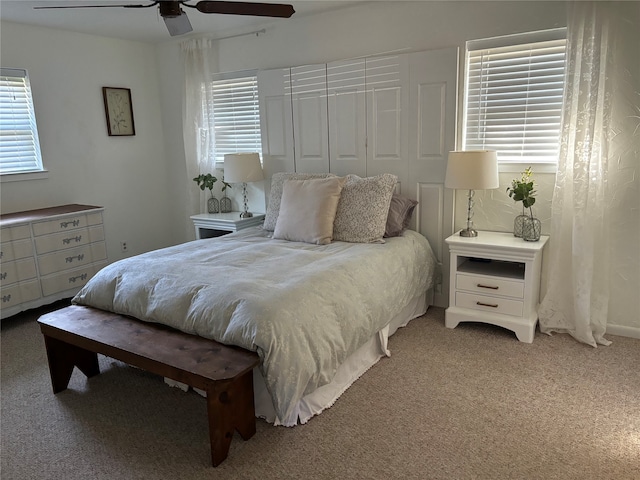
(48, 254)
(495, 278)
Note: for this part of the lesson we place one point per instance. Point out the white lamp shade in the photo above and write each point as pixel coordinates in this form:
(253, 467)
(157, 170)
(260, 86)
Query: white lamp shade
(472, 170)
(242, 167)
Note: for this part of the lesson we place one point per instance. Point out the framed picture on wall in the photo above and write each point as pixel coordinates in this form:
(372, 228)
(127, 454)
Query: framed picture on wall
(119, 111)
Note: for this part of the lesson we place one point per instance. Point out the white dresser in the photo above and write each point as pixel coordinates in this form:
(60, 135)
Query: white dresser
(48, 254)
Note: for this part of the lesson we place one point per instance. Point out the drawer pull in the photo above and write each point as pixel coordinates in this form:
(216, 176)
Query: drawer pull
(70, 259)
(73, 223)
(492, 305)
(81, 277)
(6, 298)
(3, 275)
(67, 241)
(492, 287)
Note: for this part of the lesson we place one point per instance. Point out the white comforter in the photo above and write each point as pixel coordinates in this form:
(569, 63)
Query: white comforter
(303, 308)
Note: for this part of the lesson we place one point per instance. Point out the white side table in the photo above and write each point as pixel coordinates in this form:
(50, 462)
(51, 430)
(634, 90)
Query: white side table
(210, 225)
(495, 278)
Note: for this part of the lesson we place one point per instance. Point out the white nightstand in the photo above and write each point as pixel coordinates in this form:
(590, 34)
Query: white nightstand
(209, 225)
(495, 278)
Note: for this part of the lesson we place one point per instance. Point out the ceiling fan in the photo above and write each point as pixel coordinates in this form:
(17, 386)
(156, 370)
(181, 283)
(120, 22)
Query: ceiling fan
(177, 21)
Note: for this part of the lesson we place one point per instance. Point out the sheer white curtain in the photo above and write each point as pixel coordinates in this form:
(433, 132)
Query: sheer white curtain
(200, 62)
(577, 298)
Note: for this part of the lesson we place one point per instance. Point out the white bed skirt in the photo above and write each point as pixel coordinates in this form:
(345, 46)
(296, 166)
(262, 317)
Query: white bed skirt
(350, 370)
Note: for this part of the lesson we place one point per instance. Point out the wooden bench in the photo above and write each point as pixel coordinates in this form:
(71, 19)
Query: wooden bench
(75, 335)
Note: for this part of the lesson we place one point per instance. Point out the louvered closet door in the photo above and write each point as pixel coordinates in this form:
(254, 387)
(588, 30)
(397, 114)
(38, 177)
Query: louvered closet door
(311, 132)
(387, 84)
(347, 117)
(276, 122)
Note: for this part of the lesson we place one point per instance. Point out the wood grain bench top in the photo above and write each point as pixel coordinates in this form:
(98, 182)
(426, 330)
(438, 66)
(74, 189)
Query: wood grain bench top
(75, 335)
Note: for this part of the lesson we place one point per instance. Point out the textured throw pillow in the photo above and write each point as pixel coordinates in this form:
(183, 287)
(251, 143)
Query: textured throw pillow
(307, 210)
(275, 195)
(400, 213)
(362, 211)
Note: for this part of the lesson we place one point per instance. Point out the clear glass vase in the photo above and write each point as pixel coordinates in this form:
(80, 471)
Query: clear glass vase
(213, 206)
(517, 224)
(225, 204)
(531, 228)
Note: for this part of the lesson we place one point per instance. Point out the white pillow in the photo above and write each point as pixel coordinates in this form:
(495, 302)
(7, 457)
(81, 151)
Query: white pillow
(307, 210)
(275, 195)
(363, 208)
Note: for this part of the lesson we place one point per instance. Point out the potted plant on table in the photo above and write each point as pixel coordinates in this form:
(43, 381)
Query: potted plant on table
(206, 180)
(526, 226)
(225, 202)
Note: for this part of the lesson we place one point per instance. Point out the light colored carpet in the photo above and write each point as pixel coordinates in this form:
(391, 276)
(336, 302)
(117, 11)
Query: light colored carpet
(468, 403)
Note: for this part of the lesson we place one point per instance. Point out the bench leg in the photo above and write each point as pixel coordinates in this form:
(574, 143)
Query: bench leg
(230, 407)
(63, 357)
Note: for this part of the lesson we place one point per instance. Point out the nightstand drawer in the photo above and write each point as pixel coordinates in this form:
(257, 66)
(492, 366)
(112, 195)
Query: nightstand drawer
(490, 285)
(489, 304)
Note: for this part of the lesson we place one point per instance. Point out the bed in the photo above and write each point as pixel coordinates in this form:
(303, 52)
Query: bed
(318, 313)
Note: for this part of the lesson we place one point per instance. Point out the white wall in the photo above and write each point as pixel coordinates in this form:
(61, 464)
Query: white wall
(126, 175)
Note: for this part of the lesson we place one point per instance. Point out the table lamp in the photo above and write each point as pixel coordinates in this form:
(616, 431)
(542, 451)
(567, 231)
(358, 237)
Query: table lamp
(472, 170)
(243, 168)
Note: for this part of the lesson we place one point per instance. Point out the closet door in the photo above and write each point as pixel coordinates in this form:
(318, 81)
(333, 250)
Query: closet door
(311, 132)
(387, 85)
(432, 116)
(347, 117)
(276, 123)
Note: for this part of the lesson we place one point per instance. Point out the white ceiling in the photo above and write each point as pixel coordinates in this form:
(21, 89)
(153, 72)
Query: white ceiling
(145, 24)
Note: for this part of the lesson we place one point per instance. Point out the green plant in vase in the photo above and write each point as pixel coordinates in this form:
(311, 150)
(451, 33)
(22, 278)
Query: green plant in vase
(526, 226)
(225, 202)
(206, 181)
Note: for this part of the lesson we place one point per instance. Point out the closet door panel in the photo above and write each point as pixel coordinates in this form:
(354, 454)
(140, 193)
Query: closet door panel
(387, 84)
(347, 117)
(311, 131)
(276, 122)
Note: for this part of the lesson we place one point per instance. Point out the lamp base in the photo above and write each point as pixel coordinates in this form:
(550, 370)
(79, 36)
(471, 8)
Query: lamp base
(246, 214)
(468, 232)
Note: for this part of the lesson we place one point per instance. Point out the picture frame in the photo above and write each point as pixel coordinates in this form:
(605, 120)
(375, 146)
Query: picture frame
(119, 111)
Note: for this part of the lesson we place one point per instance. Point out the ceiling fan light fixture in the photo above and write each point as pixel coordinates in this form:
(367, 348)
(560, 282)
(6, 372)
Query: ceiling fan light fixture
(170, 9)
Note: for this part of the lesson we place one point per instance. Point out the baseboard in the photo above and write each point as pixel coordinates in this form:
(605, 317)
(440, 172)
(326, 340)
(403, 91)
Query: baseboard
(623, 331)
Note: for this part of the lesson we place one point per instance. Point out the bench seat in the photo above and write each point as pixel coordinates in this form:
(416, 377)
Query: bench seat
(75, 335)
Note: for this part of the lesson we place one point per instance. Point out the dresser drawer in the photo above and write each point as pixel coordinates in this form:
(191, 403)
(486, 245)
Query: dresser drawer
(489, 304)
(74, 238)
(17, 270)
(65, 224)
(19, 293)
(71, 279)
(484, 284)
(16, 250)
(15, 233)
(71, 258)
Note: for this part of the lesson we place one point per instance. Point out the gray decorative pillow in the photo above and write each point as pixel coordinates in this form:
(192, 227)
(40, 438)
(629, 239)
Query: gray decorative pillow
(307, 210)
(400, 212)
(275, 195)
(363, 208)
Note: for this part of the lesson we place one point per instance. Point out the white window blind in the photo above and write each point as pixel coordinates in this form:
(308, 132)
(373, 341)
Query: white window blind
(236, 116)
(19, 145)
(514, 91)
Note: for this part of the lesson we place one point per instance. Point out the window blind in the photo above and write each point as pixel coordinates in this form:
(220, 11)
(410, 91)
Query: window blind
(514, 95)
(234, 109)
(19, 145)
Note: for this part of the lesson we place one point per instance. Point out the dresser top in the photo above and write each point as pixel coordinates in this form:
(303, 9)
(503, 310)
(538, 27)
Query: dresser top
(8, 219)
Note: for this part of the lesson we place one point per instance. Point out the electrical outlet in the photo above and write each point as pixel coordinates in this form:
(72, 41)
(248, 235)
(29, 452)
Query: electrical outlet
(123, 246)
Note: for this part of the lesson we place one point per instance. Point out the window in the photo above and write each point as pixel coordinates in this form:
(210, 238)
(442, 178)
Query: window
(513, 96)
(19, 145)
(233, 103)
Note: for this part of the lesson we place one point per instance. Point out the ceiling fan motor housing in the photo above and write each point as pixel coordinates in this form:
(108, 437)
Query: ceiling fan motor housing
(170, 9)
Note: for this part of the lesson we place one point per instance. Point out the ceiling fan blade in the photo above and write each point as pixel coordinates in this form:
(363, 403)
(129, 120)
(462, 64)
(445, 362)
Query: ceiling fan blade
(95, 6)
(178, 25)
(245, 8)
